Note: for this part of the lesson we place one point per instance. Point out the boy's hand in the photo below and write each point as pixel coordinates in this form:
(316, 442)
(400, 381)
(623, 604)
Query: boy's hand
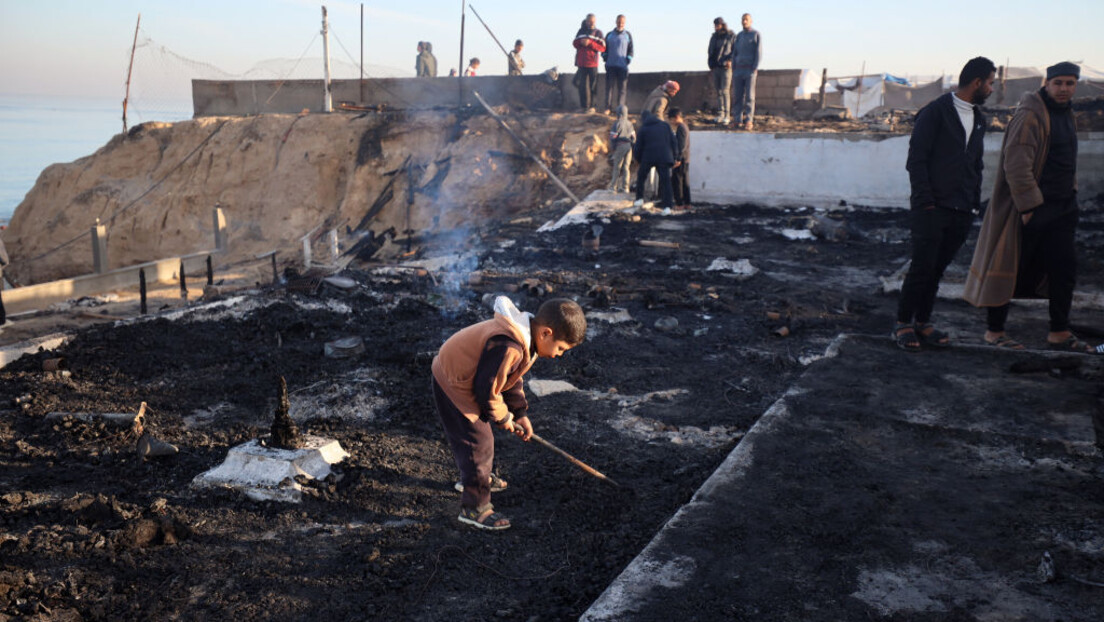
(523, 428)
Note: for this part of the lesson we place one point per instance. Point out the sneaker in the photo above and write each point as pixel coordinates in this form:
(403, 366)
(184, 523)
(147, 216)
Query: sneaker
(590, 111)
(719, 120)
(638, 203)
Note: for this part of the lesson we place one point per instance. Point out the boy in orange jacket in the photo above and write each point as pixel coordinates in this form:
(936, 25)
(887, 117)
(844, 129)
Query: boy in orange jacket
(477, 381)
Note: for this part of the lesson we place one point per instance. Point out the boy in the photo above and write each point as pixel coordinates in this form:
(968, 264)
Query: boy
(477, 381)
(680, 173)
(473, 66)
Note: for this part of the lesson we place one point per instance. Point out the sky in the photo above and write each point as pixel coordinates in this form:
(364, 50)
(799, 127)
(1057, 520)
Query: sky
(76, 48)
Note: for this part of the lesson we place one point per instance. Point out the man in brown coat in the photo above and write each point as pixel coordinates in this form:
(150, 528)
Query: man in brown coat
(1026, 244)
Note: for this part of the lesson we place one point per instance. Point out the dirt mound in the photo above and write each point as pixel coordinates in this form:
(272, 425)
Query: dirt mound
(280, 177)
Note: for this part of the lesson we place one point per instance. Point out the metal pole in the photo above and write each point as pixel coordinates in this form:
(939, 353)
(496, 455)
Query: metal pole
(130, 68)
(488, 30)
(142, 289)
(361, 51)
(327, 100)
(460, 83)
(562, 186)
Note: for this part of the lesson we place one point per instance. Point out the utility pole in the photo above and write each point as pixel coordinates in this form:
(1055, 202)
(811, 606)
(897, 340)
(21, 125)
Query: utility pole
(133, 47)
(327, 99)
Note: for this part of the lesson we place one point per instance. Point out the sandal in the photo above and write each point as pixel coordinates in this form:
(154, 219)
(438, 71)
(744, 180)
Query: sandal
(483, 517)
(497, 484)
(1004, 342)
(1073, 344)
(904, 335)
(932, 336)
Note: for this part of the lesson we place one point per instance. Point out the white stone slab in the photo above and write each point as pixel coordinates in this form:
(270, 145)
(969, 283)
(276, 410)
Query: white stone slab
(541, 388)
(268, 474)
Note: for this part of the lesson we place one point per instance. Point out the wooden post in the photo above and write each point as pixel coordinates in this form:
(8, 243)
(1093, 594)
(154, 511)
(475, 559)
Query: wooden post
(183, 282)
(142, 290)
(858, 90)
(823, 85)
(210, 271)
(99, 248)
(220, 229)
(130, 68)
(525, 148)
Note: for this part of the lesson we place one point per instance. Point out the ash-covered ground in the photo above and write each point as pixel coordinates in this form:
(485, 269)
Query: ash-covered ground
(88, 531)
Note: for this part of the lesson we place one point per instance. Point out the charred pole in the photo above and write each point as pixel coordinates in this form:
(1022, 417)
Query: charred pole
(285, 434)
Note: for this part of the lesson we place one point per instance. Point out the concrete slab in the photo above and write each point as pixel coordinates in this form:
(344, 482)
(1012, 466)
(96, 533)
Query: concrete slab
(268, 474)
(914, 498)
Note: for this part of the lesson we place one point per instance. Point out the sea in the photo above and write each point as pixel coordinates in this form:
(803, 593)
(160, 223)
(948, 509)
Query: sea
(39, 130)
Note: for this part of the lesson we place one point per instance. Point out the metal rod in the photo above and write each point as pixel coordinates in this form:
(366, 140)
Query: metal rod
(488, 30)
(573, 460)
(525, 147)
(361, 51)
(460, 73)
(130, 68)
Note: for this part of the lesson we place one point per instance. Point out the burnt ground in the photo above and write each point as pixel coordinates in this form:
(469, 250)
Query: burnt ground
(88, 531)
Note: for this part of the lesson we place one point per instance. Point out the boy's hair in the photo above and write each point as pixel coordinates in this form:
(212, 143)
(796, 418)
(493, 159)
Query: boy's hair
(976, 69)
(566, 319)
(674, 112)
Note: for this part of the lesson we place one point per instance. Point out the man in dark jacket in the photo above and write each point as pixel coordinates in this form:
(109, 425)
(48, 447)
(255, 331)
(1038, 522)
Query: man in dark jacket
(720, 65)
(944, 165)
(680, 173)
(589, 44)
(655, 148)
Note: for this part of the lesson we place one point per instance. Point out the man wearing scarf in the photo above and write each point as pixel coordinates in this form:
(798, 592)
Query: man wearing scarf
(1026, 245)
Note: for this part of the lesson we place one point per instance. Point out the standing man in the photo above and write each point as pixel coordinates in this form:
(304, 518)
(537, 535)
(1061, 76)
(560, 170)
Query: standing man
(618, 55)
(588, 43)
(658, 100)
(655, 148)
(720, 65)
(944, 166)
(514, 59)
(1026, 244)
(747, 50)
(426, 64)
(680, 174)
(622, 137)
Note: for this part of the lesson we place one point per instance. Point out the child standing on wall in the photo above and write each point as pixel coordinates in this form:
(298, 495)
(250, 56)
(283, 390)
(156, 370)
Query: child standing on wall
(477, 382)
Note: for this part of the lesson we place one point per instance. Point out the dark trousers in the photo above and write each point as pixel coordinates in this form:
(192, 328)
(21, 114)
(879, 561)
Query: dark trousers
(617, 81)
(472, 447)
(1046, 250)
(680, 182)
(664, 173)
(586, 80)
(937, 234)
(3, 314)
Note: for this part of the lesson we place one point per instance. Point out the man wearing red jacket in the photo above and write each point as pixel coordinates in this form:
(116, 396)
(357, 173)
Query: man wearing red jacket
(589, 45)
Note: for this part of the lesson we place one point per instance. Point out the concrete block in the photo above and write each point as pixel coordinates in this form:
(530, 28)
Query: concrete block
(268, 474)
(765, 81)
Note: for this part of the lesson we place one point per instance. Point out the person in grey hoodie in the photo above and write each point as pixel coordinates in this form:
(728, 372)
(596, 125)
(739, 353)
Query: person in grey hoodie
(426, 65)
(747, 51)
(618, 55)
(622, 137)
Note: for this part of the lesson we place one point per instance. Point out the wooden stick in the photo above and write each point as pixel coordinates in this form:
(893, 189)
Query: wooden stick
(573, 460)
(658, 244)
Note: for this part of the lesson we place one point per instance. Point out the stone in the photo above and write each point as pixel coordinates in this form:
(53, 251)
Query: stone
(268, 473)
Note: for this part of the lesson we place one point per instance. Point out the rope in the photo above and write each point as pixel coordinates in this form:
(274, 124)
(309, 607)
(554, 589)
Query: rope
(364, 74)
(284, 79)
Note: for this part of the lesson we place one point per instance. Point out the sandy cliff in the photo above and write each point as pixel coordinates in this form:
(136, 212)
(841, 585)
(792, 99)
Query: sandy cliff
(277, 177)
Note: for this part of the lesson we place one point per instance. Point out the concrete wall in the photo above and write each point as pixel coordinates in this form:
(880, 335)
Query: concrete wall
(820, 170)
(774, 92)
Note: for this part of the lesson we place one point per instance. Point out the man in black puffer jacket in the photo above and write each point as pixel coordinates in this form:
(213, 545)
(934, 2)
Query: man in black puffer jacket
(944, 165)
(655, 148)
